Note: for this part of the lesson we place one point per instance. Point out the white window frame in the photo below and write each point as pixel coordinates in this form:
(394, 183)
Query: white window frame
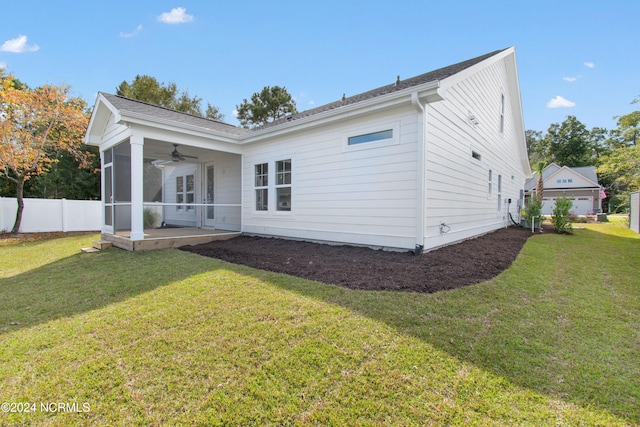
(499, 193)
(262, 187)
(393, 126)
(185, 193)
(490, 186)
(502, 102)
(281, 183)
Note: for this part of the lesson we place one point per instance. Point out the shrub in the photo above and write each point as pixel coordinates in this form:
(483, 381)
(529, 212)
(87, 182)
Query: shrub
(560, 219)
(533, 211)
(149, 218)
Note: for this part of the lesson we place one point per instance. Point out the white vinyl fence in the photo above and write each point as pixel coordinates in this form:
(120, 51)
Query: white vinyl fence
(634, 212)
(42, 215)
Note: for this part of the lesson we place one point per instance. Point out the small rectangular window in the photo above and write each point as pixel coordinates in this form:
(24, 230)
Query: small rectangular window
(371, 137)
(476, 155)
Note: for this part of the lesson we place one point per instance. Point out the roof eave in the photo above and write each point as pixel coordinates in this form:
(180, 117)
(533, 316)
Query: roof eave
(162, 123)
(427, 92)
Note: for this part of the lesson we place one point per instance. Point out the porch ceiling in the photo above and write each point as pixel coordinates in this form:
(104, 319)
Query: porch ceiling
(161, 150)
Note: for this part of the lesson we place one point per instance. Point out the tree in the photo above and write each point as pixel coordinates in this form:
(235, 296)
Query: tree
(270, 104)
(620, 173)
(148, 89)
(570, 143)
(628, 129)
(536, 147)
(539, 168)
(33, 125)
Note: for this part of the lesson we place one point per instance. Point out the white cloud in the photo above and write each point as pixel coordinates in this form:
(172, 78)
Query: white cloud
(235, 113)
(131, 34)
(589, 64)
(176, 16)
(570, 79)
(18, 45)
(3, 65)
(560, 102)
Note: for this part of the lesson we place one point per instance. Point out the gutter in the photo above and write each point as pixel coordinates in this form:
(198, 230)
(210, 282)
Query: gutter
(420, 173)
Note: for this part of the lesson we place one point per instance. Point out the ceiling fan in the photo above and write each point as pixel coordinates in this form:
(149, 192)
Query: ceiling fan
(176, 156)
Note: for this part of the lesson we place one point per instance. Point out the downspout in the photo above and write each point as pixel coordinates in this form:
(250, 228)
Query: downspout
(420, 173)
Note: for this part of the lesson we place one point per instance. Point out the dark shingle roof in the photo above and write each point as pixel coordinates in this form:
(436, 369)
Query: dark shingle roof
(140, 107)
(133, 106)
(436, 75)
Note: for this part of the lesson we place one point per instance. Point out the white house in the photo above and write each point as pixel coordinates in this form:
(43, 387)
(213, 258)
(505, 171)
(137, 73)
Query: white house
(421, 162)
(579, 184)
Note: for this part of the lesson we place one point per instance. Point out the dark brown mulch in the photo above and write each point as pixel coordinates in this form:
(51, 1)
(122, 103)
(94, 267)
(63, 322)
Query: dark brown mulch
(450, 267)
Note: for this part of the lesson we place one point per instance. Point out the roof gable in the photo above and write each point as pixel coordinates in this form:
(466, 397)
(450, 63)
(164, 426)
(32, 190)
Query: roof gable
(564, 177)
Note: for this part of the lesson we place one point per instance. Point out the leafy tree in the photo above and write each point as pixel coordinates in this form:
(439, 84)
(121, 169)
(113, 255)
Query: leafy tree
(148, 89)
(569, 143)
(33, 125)
(620, 173)
(536, 147)
(66, 178)
(270, 104)
(628, 131)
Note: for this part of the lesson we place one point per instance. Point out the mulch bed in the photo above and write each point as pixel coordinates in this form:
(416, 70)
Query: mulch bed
(471, 261)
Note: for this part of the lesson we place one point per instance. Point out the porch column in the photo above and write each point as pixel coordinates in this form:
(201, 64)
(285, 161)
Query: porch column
(137, 195)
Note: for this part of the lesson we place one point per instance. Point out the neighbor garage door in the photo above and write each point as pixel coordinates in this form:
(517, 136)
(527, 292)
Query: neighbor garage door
(581, 205)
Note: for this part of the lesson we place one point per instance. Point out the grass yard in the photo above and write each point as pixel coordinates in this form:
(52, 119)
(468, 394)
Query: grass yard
(171, 338)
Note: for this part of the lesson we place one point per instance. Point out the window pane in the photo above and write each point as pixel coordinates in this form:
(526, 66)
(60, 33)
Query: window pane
(262, 171)
(283, 196)
(262, 203)
(179, 184)
(370, 137)
(283, 172)
(190, 181)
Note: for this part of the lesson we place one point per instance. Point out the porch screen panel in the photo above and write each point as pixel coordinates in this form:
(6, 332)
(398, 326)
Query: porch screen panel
(122, 186)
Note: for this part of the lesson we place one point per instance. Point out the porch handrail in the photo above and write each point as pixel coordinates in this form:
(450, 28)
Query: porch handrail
(192, 204)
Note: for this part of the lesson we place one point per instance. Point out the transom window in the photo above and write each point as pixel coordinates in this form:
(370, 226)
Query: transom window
(371, 137)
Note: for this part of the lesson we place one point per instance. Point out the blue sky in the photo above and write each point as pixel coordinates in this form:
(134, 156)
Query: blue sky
(574, 57)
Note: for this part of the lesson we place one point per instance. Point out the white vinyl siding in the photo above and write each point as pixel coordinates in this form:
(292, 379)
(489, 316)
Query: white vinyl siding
(362, 194)
(459, 194)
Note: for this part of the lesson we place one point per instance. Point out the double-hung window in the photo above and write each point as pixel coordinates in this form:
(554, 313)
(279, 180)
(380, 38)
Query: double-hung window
(283, 185)
(262, 186)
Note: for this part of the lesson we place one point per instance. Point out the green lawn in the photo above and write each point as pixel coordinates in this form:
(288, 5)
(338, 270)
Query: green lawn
(171, 338)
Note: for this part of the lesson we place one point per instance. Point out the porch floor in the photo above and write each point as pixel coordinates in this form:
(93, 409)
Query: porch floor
(161, 238)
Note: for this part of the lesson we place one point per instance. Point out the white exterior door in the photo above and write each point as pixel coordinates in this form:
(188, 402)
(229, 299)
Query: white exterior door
(208, 190)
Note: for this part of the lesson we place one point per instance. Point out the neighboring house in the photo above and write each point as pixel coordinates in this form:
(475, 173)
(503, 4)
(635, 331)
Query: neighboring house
(579, 184)
(424, 161)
